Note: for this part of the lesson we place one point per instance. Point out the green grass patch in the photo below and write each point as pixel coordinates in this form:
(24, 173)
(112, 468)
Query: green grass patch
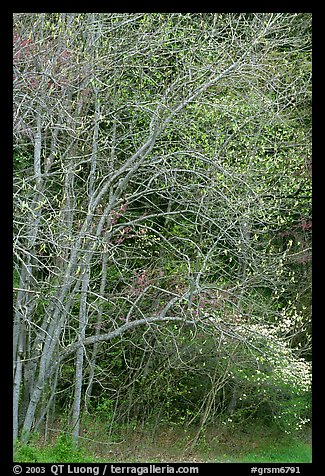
(289, 452)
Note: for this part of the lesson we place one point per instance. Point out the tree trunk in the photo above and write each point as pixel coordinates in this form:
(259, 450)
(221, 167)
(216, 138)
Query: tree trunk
(80, 358)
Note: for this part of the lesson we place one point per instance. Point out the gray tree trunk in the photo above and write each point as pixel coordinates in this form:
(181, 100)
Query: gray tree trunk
(80, 358)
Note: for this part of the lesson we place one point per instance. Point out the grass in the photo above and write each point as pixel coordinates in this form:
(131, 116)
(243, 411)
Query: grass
(291, 452)
(255, 444)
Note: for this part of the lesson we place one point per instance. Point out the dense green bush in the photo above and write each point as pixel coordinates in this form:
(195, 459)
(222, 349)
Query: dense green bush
(63, 451)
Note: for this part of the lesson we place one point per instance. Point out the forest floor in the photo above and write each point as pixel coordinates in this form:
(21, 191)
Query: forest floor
(175, 445)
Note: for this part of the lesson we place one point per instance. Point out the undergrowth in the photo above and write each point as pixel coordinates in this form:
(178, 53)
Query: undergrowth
(254, 444)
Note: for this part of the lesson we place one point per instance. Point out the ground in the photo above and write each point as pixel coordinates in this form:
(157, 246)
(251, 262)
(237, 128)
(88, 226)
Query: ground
(171, 444)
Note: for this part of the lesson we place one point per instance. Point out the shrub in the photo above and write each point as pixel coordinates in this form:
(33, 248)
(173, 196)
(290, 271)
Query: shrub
(274, 385)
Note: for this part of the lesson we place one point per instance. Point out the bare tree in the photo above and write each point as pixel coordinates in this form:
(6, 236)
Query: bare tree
(110, 111)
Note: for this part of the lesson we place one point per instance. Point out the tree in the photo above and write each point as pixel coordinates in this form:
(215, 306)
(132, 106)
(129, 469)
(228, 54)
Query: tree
(146, 194)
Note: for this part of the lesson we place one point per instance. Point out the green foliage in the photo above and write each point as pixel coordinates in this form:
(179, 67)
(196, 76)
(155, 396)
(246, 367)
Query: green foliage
(104, 412)
(22, 159)
(63, 451)
(26, 453)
